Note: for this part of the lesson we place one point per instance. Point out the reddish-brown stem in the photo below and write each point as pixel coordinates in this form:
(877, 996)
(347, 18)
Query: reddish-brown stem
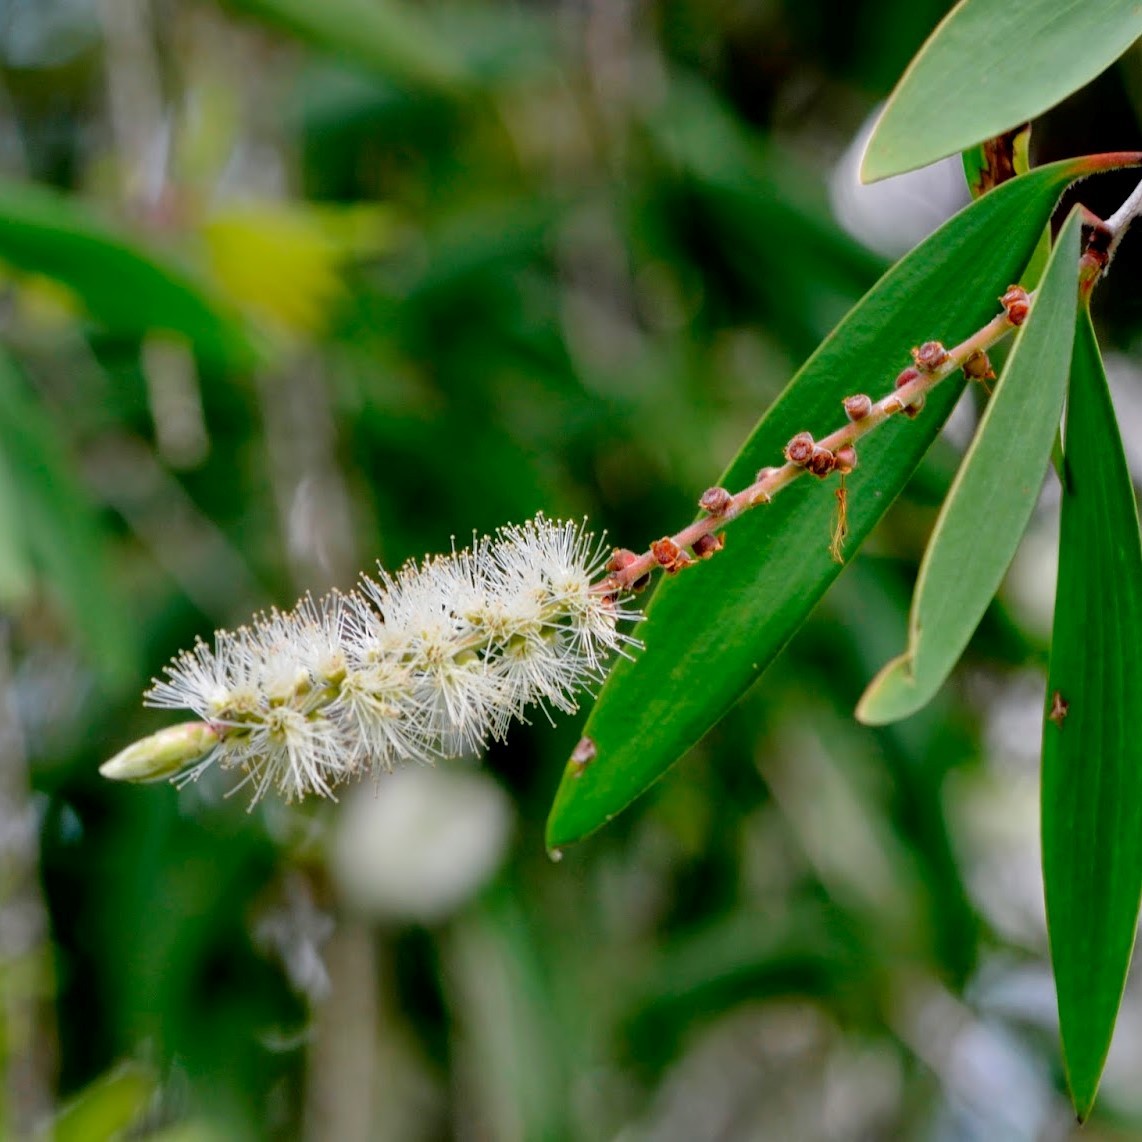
(775, 479)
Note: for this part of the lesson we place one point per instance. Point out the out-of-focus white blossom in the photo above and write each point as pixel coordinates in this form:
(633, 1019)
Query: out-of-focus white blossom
(427, 663)
(423, 845)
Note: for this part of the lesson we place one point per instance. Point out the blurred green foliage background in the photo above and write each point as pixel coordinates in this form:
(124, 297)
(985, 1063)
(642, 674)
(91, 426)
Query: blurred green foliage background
(291, 287)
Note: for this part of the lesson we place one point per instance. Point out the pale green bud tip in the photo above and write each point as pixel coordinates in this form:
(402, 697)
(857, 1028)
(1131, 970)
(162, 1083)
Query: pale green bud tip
(163, 754)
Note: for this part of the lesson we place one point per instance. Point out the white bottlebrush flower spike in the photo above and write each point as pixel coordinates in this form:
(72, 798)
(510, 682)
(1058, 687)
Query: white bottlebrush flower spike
(429, 663)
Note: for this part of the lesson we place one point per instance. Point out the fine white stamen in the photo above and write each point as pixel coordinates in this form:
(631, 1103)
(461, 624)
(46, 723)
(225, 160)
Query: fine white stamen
(430, 662)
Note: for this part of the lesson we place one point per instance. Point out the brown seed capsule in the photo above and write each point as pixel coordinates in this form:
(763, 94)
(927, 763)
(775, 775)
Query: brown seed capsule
(857, 407)
(620, 559)
(930, 356)
(846, 459)
(906, 376)
(708, 546)
(978, 367)
(799, 450)
(583, 754)
(716, 501)
(822, 462)
(912, 411)
(669, 555)
(1017, 302)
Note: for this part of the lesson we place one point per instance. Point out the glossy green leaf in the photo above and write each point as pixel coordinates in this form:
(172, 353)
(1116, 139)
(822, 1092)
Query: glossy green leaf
(61, 532)
(991, 499)
(123, 287)
(387, 37)
(989, 66)
(1092, 750)
(712, 630)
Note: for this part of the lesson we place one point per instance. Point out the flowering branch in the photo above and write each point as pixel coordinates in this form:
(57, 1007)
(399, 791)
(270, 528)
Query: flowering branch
(438, 659)
(425, 664)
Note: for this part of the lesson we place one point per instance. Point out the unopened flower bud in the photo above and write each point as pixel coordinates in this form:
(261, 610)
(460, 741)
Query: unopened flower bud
(906, 376)
(707, 546)
(930, 356)
(716, 501)
(799, 450)
(1017, 303)
(162, 755)
(857, 407)
(978, 367)
(846, 459)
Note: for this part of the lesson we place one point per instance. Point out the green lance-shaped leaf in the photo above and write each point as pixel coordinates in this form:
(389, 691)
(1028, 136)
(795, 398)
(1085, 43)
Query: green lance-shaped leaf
(125, 288)
(1092, 748)
(991, 65)
(991, 498)
(710, 631)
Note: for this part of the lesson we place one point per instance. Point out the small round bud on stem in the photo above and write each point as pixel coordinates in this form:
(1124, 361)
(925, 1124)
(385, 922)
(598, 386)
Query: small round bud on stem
(707, 546)
(1017, 304)
(670, 557)
(716, 501)
(930, 356)
(857, 407)
(846, 459)
(822, 462)
(621, 558)
(907, 376)
(978, 367)
(799, 450)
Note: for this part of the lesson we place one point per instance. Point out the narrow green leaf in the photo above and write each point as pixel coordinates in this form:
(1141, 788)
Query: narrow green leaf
(1092, 750)
(123, 287)
(387, 37)
(991, 65)
(62, 534)
(712, 630)
(990, 501)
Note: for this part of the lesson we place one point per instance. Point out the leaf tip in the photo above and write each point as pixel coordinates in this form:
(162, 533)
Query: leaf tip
(890, 696)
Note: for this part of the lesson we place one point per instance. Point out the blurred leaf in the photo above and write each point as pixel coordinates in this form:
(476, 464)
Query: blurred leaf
(284, 262)
(15, 563)
(107, 1108)
(989, 66)
(991, 500)
(124, 287)
(1092, 751)
(384, 36)
(63, 536)
(710, 632)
